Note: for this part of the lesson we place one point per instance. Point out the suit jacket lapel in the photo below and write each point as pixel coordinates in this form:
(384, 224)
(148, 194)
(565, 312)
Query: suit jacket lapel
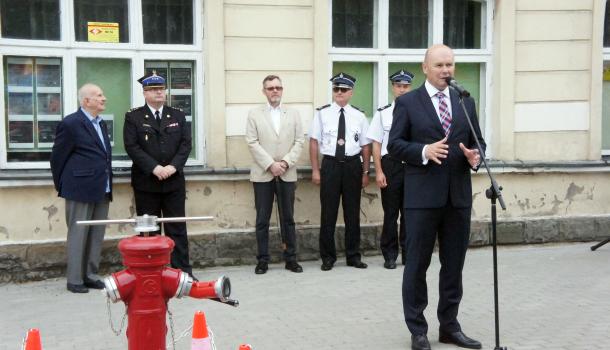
(429, 107)
(269, 120)
(283, 119)
(457, 114)
(104, 127)
(150, 118)
(89, 127)
(165, 118)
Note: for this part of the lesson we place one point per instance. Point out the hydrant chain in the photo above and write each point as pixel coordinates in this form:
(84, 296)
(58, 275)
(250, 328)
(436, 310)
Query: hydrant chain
(117, 333)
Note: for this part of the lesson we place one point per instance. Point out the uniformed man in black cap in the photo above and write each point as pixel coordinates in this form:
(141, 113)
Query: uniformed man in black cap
(338, 132)
(389, 174)
(158, 141)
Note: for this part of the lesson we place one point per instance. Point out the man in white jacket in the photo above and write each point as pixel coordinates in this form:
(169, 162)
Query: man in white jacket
(275, 138)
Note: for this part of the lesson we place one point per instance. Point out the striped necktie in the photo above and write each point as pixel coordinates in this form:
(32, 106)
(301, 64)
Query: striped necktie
(443, 112)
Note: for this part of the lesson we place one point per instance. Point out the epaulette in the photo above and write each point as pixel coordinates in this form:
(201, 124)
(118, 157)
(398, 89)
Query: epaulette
(358, 109)
(322, 107)
(384, 107)
(136, 108)
(176, 108)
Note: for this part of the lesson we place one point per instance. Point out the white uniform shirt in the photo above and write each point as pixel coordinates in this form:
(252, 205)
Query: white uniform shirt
(379, 130)
(325, 127)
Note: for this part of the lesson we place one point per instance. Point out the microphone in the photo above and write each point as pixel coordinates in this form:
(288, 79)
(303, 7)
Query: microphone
(454, 84)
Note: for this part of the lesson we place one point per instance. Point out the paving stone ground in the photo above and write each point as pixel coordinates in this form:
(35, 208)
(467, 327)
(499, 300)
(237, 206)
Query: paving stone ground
(551, 297)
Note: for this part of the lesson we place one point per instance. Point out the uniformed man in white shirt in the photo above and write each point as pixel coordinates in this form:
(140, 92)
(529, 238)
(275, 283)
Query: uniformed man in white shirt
(338, 132)
(389, 174)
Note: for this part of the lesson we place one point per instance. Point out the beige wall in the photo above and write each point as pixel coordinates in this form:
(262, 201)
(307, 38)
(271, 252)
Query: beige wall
(545, 54)
(256, 38)
(38, 214)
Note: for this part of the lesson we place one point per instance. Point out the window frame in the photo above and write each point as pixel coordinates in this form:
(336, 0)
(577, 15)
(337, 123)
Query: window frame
(382, 55)
(605, 58)
(68, 50)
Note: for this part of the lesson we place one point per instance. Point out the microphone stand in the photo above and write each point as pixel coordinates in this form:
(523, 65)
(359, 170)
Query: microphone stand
(493, 193)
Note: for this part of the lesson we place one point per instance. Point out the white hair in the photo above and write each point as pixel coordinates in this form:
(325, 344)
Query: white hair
(85, 91)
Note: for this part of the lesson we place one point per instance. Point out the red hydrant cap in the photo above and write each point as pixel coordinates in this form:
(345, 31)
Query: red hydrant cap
(245, 347)
(146, 251)
(200, 327)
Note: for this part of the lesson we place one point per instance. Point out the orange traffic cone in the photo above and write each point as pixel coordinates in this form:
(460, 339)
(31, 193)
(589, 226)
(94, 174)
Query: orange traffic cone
(201, 339)
(32, 340)
(245, 347)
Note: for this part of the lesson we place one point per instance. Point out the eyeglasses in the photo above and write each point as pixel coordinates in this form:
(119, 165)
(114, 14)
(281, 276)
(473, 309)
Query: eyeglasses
(277, 88)
(343, 90)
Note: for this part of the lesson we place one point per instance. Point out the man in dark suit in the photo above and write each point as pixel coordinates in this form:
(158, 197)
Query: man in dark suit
(431, 134)
(82, 174)
(158, 141)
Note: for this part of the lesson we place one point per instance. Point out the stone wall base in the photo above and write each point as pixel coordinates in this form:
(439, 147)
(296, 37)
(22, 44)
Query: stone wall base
(29, 262)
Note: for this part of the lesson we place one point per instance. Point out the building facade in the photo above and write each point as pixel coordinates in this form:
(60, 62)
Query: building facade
(539, 71)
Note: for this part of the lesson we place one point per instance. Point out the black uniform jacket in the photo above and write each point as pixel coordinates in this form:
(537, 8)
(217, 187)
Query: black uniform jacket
(149, 144)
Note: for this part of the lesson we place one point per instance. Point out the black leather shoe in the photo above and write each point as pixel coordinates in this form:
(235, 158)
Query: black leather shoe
(94, 284)
(261, 268)
(77, 288)
(293, 266)
(326, 266)
(357, 264)
(389, 264)
(460, 339)
(420, 342)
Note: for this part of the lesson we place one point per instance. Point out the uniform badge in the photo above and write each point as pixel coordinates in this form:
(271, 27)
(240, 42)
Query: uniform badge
(356, 137)
(146, 137)
(341, 142)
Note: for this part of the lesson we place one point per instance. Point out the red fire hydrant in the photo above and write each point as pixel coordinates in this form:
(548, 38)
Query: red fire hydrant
(147, 284)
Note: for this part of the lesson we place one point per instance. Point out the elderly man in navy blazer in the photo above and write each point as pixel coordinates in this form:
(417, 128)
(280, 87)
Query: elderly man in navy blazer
(82, 174)
(431, 135)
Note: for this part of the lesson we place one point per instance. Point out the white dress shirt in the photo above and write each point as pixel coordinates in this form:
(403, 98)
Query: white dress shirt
(154, 110)
(276, 114)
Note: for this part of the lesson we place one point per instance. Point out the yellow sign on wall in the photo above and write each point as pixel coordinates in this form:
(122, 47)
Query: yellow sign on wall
(607, 73)
(103, 32)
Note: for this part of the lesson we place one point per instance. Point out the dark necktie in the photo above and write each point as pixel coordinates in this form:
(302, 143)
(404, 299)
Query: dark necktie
(340, 149)
(157, 117)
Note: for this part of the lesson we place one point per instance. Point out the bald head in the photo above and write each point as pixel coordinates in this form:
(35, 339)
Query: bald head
(91, 98)
(438, 64)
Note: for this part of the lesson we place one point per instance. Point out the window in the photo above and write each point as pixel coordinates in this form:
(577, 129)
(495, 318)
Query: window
(462, 24)
(394, 34)
(409, 23)
(167, 21)
(606, 85)
(33, 97)
(108, 11)
(113, 77)
(30, 19)
(40, 78)
(353, 23)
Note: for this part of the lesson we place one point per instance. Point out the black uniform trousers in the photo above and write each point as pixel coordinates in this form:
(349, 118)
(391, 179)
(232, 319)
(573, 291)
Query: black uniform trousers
(452, 226)
(392, 203)
(168, 204)
(263, 201)
(340, 180)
